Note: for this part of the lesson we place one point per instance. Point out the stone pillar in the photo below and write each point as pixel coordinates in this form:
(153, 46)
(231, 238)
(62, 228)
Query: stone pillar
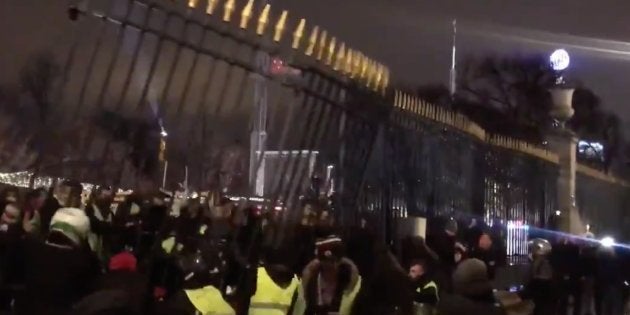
(563, 142)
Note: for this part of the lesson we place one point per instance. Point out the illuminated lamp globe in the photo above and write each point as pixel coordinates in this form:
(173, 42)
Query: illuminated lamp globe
(559, 59)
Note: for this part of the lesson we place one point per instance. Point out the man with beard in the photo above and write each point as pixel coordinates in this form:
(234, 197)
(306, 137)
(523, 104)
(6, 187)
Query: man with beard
(99, 212)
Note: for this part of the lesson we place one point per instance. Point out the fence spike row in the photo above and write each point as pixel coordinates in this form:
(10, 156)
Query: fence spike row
(330, 56)
(407, 101)
(263, 20)
(192, 3)
(312, 40)
(212, 4)
(298, 34)
(341, 57)
(246, 14)
(369, 74)
(282, 21)
(396, 98)
(228, 9)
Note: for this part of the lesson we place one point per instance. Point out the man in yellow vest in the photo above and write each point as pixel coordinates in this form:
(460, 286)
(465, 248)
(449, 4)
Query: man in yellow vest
(330, 283)
(276, 285)
(425, 289)
(202, 272)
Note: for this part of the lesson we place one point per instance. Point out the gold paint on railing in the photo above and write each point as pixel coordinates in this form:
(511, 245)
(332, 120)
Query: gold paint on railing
(228, 9)
(263, 20)
(279, 30)
(340, 58)
(330, 56)
(212, 4)
(246, 14)
(312, 40)
(321, 49)
(298, 34)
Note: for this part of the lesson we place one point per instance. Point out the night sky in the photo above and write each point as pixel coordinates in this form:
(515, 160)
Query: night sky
(412, 37)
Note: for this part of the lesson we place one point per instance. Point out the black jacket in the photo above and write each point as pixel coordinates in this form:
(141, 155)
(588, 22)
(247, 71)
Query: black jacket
(55, 277)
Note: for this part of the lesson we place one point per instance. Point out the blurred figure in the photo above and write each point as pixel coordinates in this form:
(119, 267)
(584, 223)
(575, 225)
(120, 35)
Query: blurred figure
(472, 291)
(425, 289)
(565, 260)
(443, 244)
(202, 273)
(61, 270)
(540, 286)
(588, 264)
(608, 282)
(276, 285)
(122, 290)
(330, 283)
(31, 220)
(484, 251)
(99, 211)
(65, 194)
(10, 264)
(460, 255)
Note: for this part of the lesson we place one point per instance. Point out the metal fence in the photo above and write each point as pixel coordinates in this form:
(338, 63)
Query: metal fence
(230, 97)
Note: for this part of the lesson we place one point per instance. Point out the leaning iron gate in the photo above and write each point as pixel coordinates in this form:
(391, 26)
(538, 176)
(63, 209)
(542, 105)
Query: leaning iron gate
(195, 94)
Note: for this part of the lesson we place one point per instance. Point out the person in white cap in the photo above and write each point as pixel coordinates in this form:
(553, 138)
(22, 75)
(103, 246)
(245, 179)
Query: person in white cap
(61, 270)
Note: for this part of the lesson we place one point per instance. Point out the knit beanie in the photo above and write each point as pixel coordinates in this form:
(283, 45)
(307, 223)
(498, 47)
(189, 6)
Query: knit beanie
(71, 222)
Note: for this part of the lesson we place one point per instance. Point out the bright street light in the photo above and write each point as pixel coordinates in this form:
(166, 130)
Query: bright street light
(607, 241)
(560, 60)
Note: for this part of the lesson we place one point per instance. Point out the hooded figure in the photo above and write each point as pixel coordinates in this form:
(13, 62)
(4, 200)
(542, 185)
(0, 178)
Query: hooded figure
(540, 287)
(472, 291)
(61, 270)
(330, 283)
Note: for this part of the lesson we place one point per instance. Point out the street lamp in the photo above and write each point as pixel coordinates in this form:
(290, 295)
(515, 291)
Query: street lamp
(562, 96)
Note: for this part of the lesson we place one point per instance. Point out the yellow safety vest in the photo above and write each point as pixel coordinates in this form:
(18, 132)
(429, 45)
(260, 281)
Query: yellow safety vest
(271, 299)
(347, 300)
(209, 301)
(424, 309)
(431, 284)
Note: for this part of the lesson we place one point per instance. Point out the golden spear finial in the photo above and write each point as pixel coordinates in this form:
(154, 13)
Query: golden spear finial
(192, 3)
(347, 68)
(364, 68)
(212, 4)
(263, 20)
(311, 41)
(331, 51)
(228, 8)
(277, 36)
(356, 65)
(385, 78)
(370, 74)
(341, 55)
(322, 45)
(298, 34)
(246, 14)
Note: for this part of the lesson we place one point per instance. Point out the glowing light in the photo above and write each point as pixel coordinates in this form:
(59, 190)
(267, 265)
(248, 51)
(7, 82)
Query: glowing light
(558, 212)
(163, 133)
(559, 59)
(607, 241)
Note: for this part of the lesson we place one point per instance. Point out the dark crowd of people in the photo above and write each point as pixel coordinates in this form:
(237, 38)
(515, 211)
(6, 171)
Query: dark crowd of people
(150, 253)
